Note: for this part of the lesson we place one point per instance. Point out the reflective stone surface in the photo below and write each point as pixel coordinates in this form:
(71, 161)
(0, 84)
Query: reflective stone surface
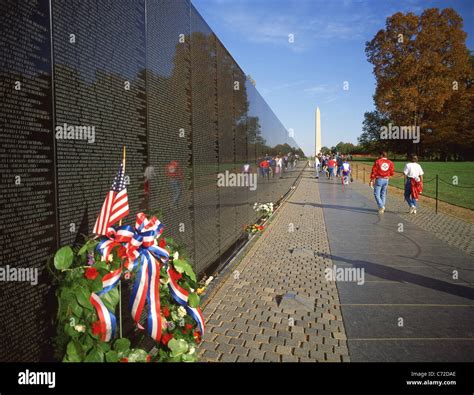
(79, 80)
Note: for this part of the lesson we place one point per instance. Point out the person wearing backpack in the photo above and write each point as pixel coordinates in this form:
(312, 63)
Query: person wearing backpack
(346, 172)
(382, 170)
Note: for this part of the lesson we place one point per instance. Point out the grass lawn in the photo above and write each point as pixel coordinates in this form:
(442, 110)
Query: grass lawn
(454, 194)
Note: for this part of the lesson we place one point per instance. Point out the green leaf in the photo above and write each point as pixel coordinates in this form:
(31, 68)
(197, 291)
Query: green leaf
(182, 266)
(104, 347)
(193, 300)
(73, 351)
(179, 265)
(122, 345)
(111, 299)
(82, 296)
(137, 355)
(112, 356)
(70, 331)
(83, 249)
(63, 258)
(100, 265)
(76, 309)
(88, 246)
(188, 358)
(177, 347)
(95, 355)
(96, 284)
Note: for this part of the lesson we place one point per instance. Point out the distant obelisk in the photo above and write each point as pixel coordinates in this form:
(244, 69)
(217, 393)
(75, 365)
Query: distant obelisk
(317, 140)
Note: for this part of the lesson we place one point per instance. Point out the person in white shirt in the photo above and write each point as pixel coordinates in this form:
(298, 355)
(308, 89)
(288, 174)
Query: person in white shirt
(317, 166)
(413, 182)
(279, 165)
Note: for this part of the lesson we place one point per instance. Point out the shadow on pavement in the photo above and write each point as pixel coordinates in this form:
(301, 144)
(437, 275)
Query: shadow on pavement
(392, 274)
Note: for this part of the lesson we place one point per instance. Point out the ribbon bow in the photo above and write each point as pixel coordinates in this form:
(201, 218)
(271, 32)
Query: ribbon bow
(142, 251)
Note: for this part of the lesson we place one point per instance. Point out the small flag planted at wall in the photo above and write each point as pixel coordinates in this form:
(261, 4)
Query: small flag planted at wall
(115, 206)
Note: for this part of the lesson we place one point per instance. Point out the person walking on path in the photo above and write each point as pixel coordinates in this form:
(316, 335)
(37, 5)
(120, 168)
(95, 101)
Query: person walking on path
(382, 170)
(317, 166)
(279, 165)
(331, 165)
(413, 182)
(265, 166)
(345, 172)
(339, 161)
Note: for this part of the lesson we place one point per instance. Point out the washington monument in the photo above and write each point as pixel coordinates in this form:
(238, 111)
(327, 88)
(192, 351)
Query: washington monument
(317, 137)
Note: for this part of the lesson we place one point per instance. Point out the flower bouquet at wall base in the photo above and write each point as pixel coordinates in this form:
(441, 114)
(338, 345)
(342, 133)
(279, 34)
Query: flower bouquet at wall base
(88, 298)
(89, 278)
(251, 229)
(265, 209)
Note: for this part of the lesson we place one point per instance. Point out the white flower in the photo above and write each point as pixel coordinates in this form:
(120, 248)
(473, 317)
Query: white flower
(111, 258)
(80, 328)
(209, 280)
(176, 255)
(182, 311)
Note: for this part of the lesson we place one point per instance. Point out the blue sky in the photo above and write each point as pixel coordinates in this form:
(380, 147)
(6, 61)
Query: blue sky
(328, 49)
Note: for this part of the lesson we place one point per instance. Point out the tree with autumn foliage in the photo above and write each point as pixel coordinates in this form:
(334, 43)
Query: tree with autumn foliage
(424, 76)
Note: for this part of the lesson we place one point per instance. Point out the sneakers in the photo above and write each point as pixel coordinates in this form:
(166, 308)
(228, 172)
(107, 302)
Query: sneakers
(381, 210)
(412, 210)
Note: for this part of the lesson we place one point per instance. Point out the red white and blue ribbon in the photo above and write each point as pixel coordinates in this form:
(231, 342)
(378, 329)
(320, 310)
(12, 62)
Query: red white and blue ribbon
(107, 319)
(144, 255)
(181, 296)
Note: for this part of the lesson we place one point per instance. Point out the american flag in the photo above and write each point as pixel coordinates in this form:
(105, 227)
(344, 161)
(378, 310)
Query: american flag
(115, 206)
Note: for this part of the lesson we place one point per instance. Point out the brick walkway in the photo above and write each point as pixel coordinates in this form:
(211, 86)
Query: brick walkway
(410, 279)
(247, 319)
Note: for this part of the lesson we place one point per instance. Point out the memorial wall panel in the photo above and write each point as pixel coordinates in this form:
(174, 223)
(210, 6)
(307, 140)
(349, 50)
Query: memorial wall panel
(205, 141)
(169, 117)
(227, 193)
(242, 152)
(27, 181)
(147, 74)
(253, 137)
(99, 80)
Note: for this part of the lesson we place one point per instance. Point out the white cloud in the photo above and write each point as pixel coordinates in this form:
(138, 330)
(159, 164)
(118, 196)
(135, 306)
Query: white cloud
(257, 22)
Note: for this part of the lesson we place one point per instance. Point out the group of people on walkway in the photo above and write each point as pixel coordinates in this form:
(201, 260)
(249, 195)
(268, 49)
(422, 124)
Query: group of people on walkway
(333, 166)
(270, 166)
(383, 169)
(336, 165)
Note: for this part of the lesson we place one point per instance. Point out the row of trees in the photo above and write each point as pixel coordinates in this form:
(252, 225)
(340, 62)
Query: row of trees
(424, 79)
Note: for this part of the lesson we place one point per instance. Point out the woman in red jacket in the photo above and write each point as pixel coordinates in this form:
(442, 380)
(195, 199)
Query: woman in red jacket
(382, 170)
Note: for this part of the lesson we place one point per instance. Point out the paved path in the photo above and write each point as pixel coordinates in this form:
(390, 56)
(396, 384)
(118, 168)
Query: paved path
(409, 307)
(248, 320)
